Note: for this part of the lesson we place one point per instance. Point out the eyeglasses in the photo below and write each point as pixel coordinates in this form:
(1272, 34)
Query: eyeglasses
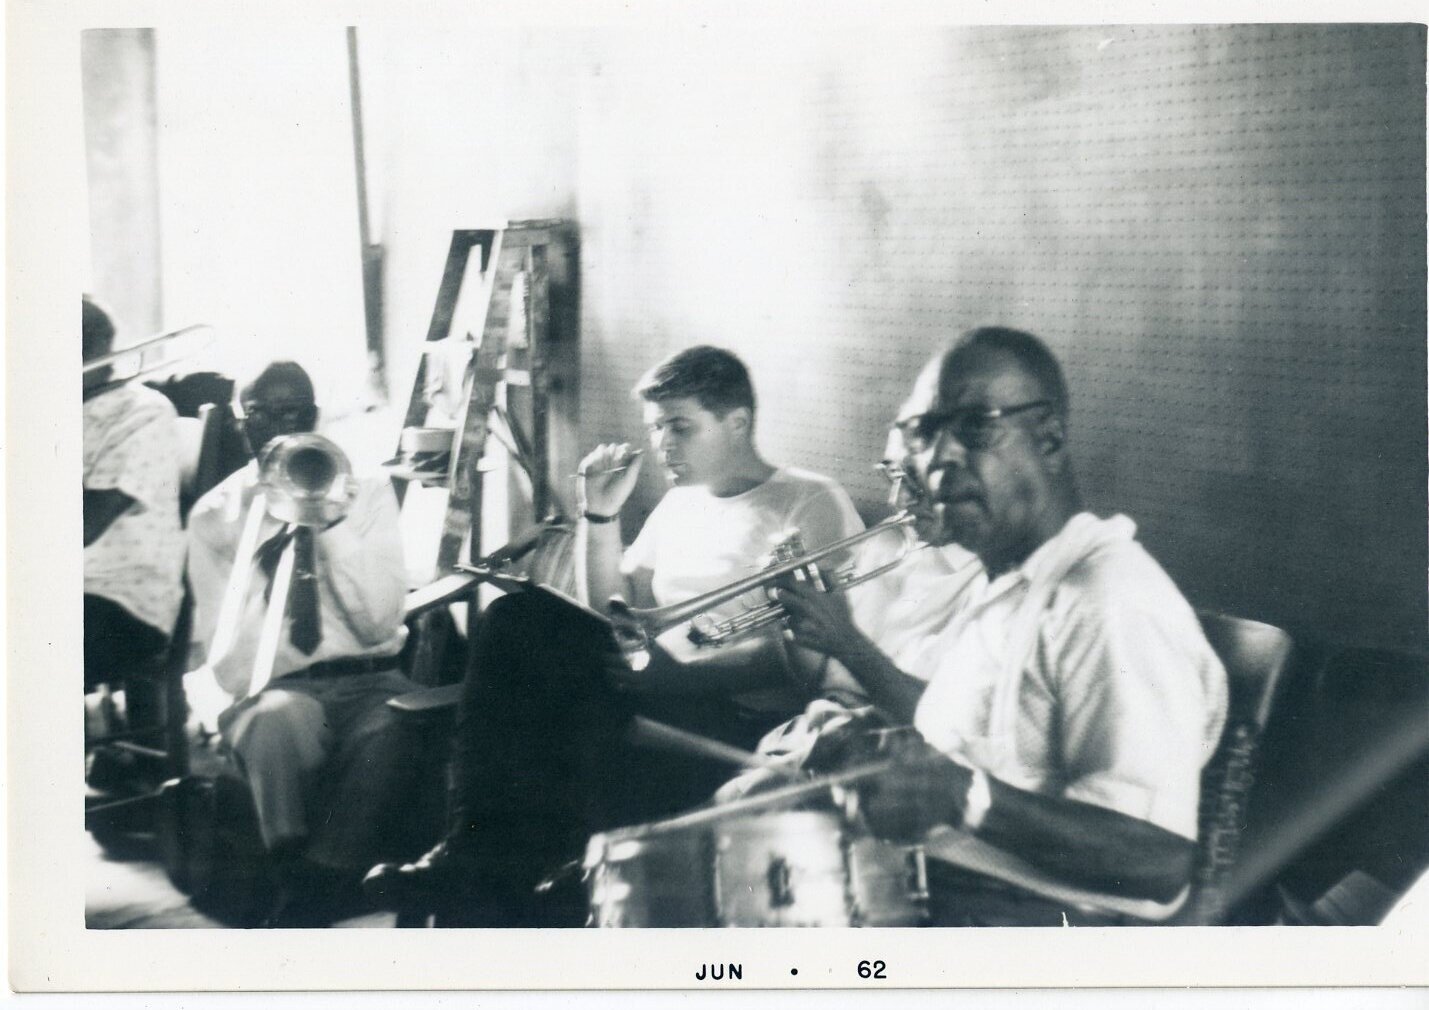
(276, 415)
(974, 427)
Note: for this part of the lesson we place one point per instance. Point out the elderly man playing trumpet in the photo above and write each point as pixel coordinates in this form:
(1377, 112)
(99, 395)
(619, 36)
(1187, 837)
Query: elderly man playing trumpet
(1065, 702)
(310, 672)
(540, 760)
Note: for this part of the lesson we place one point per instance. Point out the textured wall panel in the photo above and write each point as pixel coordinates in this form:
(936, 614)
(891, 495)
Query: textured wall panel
(1219, 228)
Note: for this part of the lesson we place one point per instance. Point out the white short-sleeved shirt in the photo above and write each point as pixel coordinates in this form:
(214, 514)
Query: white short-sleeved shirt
(694, 542)
(1082, 674)
(131, 445)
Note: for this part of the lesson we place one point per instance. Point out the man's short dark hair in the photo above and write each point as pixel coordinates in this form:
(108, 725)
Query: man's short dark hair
(280, 373)
(1035, 358)
(712, 376)
(98, 329)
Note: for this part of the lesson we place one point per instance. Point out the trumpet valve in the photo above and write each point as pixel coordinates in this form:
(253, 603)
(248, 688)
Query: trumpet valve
(787, 547)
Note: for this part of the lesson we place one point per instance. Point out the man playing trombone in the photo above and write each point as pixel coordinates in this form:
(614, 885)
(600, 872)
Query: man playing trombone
(133, 549)
(311, 669)
(539, 761)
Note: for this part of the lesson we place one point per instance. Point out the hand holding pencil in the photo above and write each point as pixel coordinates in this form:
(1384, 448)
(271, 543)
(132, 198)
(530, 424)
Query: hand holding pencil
(606, 478)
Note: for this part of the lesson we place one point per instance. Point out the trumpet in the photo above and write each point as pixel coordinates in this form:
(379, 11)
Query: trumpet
(640, 625)
(306, 480)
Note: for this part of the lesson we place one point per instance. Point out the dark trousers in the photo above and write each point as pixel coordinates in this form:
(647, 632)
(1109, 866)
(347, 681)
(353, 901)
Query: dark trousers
(121, 650)
(328, 763)
(541, 760)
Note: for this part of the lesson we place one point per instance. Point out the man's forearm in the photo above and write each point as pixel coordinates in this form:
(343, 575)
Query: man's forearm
(598, 550)
(1087, 845)
(888, 687)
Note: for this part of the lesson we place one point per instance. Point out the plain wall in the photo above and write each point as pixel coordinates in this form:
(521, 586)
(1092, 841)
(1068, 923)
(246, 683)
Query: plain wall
(1220, 229)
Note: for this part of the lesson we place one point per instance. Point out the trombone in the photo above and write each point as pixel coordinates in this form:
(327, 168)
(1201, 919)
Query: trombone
(188, 344)
(637, 626)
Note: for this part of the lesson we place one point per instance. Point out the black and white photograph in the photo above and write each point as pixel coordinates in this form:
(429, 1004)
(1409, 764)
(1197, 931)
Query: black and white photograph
(654, 498)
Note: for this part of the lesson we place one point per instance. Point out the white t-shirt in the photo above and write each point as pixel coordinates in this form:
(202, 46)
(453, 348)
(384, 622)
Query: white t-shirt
(131, 445)
(694, 542)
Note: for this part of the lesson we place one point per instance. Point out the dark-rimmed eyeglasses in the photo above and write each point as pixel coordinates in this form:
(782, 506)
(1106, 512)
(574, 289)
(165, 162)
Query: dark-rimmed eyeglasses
(276, 414)
(974, 427)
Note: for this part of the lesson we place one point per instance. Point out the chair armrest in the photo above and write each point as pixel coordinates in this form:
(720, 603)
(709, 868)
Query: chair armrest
(429, 703)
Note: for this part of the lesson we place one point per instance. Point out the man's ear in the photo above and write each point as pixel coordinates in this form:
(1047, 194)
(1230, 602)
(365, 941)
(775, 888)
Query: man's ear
(1052, 436)
(740, 420)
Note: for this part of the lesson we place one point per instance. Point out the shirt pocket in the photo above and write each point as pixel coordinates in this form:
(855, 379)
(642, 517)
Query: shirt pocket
(956, 715)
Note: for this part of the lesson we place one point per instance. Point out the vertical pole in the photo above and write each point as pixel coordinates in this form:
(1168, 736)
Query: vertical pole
(537, 334)
(372, 253)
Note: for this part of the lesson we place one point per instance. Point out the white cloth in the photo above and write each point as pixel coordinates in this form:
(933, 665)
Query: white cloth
(131, 445)
(695, 542)
(1082, 674)
(362, 581)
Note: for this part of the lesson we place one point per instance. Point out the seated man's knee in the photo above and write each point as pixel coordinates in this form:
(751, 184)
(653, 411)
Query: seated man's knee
(280, 721)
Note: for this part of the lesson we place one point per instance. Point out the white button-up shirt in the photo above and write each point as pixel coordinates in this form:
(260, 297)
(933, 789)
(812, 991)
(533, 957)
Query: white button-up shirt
(1084, 674)
(362, 582)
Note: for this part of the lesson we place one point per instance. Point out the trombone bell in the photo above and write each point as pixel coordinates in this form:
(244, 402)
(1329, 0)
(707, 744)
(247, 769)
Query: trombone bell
(306, 479)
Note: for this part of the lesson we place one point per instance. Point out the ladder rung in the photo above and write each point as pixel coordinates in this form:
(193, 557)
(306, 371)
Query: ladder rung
(430, 478)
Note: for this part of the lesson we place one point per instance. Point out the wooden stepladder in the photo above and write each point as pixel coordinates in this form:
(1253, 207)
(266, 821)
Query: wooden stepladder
(508, 383)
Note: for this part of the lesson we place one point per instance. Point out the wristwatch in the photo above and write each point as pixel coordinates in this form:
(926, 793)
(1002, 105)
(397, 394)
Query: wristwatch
(977, 802)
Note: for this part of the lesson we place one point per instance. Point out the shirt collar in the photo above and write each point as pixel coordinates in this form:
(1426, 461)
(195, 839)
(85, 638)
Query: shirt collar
(1078, 537)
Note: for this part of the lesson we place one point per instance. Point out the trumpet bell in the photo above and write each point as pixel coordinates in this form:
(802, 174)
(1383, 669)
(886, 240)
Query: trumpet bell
(307, 480)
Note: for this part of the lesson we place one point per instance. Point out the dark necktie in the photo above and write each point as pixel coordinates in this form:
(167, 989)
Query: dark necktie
(305, 631)
(303, 597)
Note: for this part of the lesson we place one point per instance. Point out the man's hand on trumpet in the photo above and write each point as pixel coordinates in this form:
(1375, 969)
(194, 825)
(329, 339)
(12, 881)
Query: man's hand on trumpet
(818, 620)
(822, 622)
(608, 475)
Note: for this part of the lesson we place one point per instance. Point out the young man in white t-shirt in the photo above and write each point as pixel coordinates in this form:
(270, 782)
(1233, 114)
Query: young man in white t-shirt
(540, 760)
(724, 511)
